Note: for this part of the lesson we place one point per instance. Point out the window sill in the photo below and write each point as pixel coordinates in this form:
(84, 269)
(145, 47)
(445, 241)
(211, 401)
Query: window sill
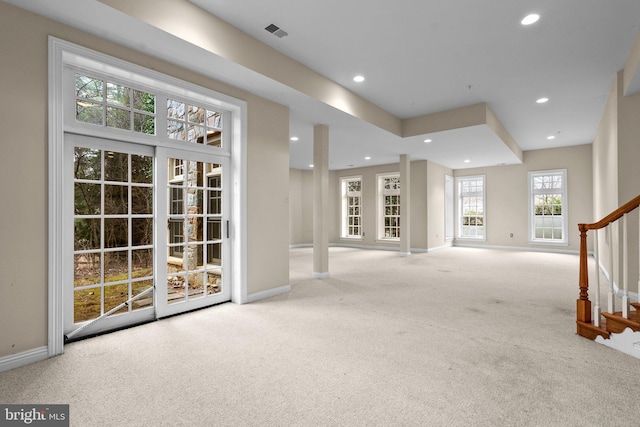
(548, 243)
(471, 239)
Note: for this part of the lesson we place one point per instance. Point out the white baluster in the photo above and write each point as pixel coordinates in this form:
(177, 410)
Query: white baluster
(625, 269)
(596, 308)
(611, 303)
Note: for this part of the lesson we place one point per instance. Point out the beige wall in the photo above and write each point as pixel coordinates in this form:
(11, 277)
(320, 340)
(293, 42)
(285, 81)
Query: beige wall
(629, 174)
(605, 174)
(267, 206)
(628, 147)
(23, 171)
(300, 206)
(506, 199)
(507, 195)
(295, 207)
(369, 205)
(605, 158)
(435, 204)
(616, 174)
(420, 196)
(423, 213)
(23, 214)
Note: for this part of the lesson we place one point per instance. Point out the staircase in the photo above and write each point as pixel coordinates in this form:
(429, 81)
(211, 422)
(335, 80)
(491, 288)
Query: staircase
(610, 326)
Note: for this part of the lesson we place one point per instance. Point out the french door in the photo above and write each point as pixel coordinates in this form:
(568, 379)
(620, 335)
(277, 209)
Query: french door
(194, 204)
(147, 233)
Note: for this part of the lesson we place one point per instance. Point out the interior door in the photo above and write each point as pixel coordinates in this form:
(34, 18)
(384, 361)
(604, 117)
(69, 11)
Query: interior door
(109, 234)
(193, 232)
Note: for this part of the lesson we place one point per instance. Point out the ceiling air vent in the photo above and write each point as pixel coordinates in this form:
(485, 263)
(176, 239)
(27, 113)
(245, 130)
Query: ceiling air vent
(274, 29)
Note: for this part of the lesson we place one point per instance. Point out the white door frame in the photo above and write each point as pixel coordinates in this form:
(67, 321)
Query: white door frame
(163, 308)
(63, 54)
(114, 321)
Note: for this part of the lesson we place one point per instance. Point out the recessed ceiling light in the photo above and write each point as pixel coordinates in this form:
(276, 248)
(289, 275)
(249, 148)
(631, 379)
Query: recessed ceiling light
(467, 160)
(532, 18)
(310, 166)
(551, 137)
(427, 141)
(358, 79)
(542, 100)
(294, 138)
(368, 158)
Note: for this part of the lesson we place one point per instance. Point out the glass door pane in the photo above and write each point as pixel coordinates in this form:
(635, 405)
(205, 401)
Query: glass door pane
(112, 199)
(196, 209)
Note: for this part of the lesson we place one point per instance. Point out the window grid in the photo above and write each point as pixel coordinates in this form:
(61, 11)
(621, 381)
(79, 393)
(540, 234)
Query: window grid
(195, 231)
(355, 226)
(193, 123)
(104, 103)
(548, 206)
(389, 192)
(113, 231)
(67, 61)
(352, 208)
(391, 217)
(471, 207)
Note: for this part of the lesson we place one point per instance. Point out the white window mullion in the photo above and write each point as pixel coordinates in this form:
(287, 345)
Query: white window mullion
(471, 208)
(351, 190)
(389, 227)
(548, 219)
(161, 116)
(161, 201)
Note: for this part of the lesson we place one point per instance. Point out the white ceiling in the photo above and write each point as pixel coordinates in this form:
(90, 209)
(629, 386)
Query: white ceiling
(418, 57)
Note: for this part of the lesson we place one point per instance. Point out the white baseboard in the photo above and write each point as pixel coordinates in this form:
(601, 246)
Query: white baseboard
(516, 248)
(445, 246)
(437, 248)
(257, 296)
(24, 358)
(316, 275)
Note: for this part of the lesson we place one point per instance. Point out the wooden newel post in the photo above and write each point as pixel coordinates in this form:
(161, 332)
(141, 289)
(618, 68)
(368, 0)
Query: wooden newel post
(583, 305)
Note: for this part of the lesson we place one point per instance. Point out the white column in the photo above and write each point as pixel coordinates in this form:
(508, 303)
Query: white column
(405, 205)
(320, 202)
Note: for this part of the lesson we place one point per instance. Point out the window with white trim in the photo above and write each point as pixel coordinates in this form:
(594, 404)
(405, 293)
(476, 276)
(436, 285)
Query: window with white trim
(548, 206)
(471, 207)
(106, 103)
(193, 123)
(389, 206)
(118, 115)
(351, 207)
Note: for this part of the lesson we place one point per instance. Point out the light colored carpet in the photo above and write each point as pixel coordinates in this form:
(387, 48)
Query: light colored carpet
(457, 337)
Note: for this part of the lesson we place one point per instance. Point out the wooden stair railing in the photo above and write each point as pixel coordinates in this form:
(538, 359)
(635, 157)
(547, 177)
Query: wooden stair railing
(585, 325)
